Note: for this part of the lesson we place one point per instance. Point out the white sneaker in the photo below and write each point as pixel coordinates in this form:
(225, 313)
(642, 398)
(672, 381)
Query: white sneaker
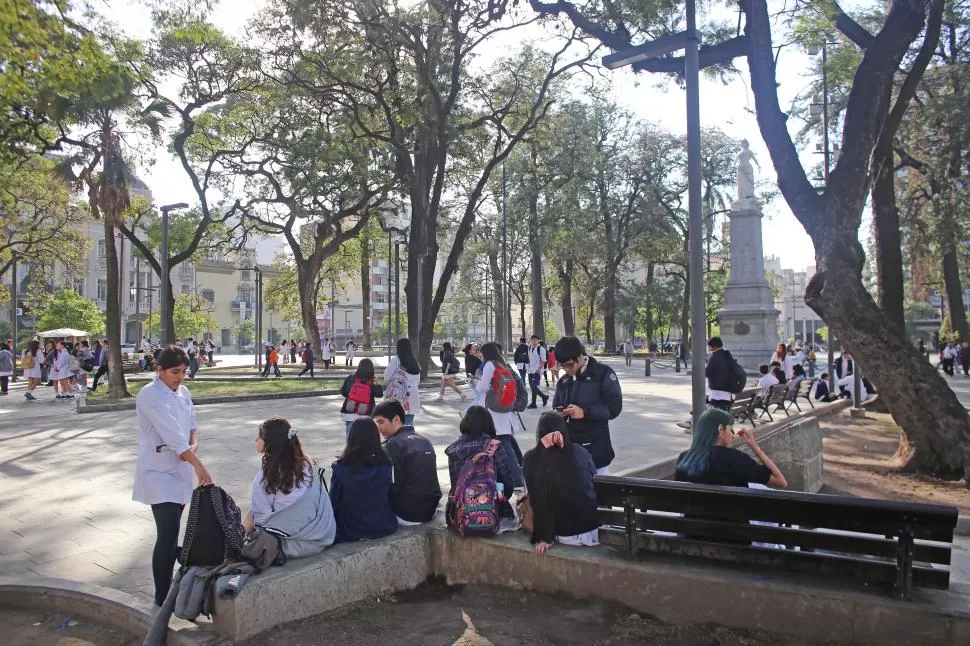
(439, 399)
(687, 423)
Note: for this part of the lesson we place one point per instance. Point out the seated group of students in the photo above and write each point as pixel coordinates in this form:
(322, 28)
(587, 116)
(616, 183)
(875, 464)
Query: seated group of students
(376, 487)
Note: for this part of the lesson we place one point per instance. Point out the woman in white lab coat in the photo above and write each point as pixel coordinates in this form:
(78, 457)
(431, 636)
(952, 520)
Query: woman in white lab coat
(167, 444)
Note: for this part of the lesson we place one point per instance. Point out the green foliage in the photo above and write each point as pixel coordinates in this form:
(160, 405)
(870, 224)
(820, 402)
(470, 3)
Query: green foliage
(380, 331)
(191, 317)
(551, 332)
(67, 308)
(245, 331)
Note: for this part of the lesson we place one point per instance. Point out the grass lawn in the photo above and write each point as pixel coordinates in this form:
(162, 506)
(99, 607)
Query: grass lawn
(247, 387)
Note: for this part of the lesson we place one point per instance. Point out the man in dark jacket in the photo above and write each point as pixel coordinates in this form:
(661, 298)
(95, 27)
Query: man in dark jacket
(521, 358)
(415, 491)
(720, 375)
(588, 396)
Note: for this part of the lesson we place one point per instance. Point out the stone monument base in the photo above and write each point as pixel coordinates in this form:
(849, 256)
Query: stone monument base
(748, 333)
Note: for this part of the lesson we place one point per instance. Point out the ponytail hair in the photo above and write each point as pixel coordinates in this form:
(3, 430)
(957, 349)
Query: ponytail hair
(284, 463)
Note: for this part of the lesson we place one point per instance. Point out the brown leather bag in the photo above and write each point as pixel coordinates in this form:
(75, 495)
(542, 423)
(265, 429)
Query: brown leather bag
(524, 510)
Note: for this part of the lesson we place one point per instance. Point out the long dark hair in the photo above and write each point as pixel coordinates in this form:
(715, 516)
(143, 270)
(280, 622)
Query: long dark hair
(363, 446)
(33, 347)
(405, 352)
(491, 352)
(477, 422)
(557, 479)
(365, 370)
(698, 458)
(284, 463)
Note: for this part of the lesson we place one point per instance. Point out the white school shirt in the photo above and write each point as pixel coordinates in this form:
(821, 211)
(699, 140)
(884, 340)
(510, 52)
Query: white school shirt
(325, 353)
(414, 382)
(165, 417)
(503, 421)
(766, 382)
(537, 356)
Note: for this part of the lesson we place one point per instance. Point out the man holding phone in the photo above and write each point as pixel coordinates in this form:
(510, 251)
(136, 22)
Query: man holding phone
(588, 396)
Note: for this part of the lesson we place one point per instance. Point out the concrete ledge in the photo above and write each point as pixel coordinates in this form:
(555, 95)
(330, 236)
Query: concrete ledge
(339, 576)
(681, 591)
(103, 605)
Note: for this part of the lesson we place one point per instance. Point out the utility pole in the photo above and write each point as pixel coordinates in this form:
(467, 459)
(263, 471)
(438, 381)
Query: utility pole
(14, 310)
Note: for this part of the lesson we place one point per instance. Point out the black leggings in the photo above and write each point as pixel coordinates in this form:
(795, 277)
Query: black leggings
(167, 518)
(309, 366)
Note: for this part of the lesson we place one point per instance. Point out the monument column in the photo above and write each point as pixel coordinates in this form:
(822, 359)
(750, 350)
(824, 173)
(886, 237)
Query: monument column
(748, 318)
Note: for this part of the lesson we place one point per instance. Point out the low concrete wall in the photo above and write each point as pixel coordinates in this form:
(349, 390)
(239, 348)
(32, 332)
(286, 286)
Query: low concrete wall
(794, 443)
(339, 576)
(683, 592)
(102, 605)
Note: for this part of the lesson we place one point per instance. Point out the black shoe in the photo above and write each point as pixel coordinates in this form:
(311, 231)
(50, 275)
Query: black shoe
(545, 402)
(532, 405)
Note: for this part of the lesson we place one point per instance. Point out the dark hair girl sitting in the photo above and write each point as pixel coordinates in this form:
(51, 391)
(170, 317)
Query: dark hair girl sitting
(710, 460)
(361, 484)
(477, 430)
(559, 481)
(285, 472)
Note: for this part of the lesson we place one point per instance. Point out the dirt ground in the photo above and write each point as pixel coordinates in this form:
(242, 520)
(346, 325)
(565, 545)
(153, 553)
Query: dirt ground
(859, 462)
(39, 628)
(439, 615)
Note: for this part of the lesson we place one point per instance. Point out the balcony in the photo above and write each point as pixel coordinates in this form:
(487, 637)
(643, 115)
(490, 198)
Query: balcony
(378, 307)
(238, 304)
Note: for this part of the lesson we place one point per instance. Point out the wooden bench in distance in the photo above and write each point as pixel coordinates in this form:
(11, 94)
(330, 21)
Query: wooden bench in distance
(773, 402)
(742, 408)
(804, 392)
(880, 542)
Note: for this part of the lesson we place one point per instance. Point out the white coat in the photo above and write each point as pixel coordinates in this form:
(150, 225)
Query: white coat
(414, 382)
(165, 419)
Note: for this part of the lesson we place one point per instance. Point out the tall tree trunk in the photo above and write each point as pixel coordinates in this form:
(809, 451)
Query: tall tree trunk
(365, 287)
(307, 284)
(889, 253)
(609, 308)
(954, 288)
(117, 389)
(590, 314)
(565, 271)
(538, 316)
(649, 308)
(685, 313)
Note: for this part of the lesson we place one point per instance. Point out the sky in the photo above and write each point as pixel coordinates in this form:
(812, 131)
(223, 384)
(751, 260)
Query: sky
(729, 107)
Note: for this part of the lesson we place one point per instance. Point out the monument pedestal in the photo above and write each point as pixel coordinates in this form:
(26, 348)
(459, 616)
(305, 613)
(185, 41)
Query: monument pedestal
(748, 318)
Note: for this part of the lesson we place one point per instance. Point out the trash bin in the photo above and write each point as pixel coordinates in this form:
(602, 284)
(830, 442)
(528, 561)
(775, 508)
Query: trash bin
(646, 367)
(677, 364)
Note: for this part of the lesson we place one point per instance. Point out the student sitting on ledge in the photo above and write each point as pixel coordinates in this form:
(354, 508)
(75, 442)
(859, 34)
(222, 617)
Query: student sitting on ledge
(415, 491)
(360, 486)
(477, 430)
(559, 480)
(288, 493)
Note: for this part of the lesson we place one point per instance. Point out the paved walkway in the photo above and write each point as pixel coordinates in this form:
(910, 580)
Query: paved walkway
(65, 479)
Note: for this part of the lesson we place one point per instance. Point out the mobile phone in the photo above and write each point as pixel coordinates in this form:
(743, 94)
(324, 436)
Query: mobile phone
(558, 408)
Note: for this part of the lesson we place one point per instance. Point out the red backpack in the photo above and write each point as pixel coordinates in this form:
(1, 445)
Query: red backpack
(358, 401)
(501, 396)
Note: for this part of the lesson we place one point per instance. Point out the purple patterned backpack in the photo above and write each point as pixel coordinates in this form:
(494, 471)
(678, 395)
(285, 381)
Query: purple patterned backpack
(472, 505)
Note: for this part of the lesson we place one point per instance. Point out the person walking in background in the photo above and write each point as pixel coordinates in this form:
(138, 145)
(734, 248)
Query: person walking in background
(6, 368)
(449, 368)
(552, 364)
(32, 363)
(473, 364)
(403, 373)
(284, 352)
(210, 349)
(272, 362)
(61, 371)
(49, 354)
(537, 363)
(326, 353)
(784, 359)
(521, 359)
(192, 349)
(360, 392)
(965, 358)
(102, 366)
(292, 351)
(350, 349)
(307, 360)
(628, 352)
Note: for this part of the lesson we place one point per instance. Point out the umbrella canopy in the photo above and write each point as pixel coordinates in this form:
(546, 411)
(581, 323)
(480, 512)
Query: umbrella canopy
(63, 332)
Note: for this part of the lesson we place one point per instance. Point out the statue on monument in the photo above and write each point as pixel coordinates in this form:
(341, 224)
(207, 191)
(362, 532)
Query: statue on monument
(746, 172)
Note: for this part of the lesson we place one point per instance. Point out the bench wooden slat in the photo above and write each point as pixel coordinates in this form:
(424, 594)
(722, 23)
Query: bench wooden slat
(870, 570)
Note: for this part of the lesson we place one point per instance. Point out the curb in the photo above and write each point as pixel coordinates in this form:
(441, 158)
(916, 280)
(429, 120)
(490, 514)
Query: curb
(84, 407)
(963, 526)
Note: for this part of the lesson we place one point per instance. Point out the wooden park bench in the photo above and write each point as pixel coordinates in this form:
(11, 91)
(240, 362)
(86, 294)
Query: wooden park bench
(893, 544)
(742, 408)
(772, 402)
(804, 392)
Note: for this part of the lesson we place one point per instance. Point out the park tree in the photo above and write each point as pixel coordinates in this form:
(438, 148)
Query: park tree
(408, 74)
(935, 426)
(67, 308)
(192, 317)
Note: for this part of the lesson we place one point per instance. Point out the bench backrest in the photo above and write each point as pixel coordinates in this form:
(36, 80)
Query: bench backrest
(776, 394)
(805, 388)
(838, 535)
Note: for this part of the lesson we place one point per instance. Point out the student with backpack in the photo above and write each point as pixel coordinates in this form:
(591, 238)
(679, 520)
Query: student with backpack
(289, 495)
(498, 383)
(360, 391)
(167, 445)
(415, 491)
(521, 358)
(559, 481)
(402, 377)
(477, 465)
(449, 368)
(272, 362)
(360, 486)
(307, 360)
(725, 377)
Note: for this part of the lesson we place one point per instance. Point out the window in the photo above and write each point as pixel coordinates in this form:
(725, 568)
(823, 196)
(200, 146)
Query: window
(209, 295)
(102, 288)
(246, 295)
(380, 297)
(244, 275)
(101, 249)
(226, 336)
(186, 289)
(79, 286)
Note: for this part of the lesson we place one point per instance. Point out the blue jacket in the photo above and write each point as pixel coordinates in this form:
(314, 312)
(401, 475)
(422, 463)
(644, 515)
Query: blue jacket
(597, 391)
(362, 502)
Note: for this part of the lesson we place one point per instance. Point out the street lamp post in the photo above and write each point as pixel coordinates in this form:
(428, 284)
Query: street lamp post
(395, 222)
(688, 41)
(163, 295)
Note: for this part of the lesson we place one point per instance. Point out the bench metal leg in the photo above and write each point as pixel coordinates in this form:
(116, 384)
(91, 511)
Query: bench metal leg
(631, 531)
(904, 563)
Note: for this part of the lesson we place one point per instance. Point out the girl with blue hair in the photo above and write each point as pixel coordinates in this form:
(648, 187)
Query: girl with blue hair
(710, 460)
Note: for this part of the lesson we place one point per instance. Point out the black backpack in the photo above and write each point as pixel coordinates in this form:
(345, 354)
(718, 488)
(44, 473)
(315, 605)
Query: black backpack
(739, 378)
(213, 533)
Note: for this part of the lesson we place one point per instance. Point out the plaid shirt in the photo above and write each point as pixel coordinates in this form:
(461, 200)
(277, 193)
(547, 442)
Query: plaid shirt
(464, 448)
